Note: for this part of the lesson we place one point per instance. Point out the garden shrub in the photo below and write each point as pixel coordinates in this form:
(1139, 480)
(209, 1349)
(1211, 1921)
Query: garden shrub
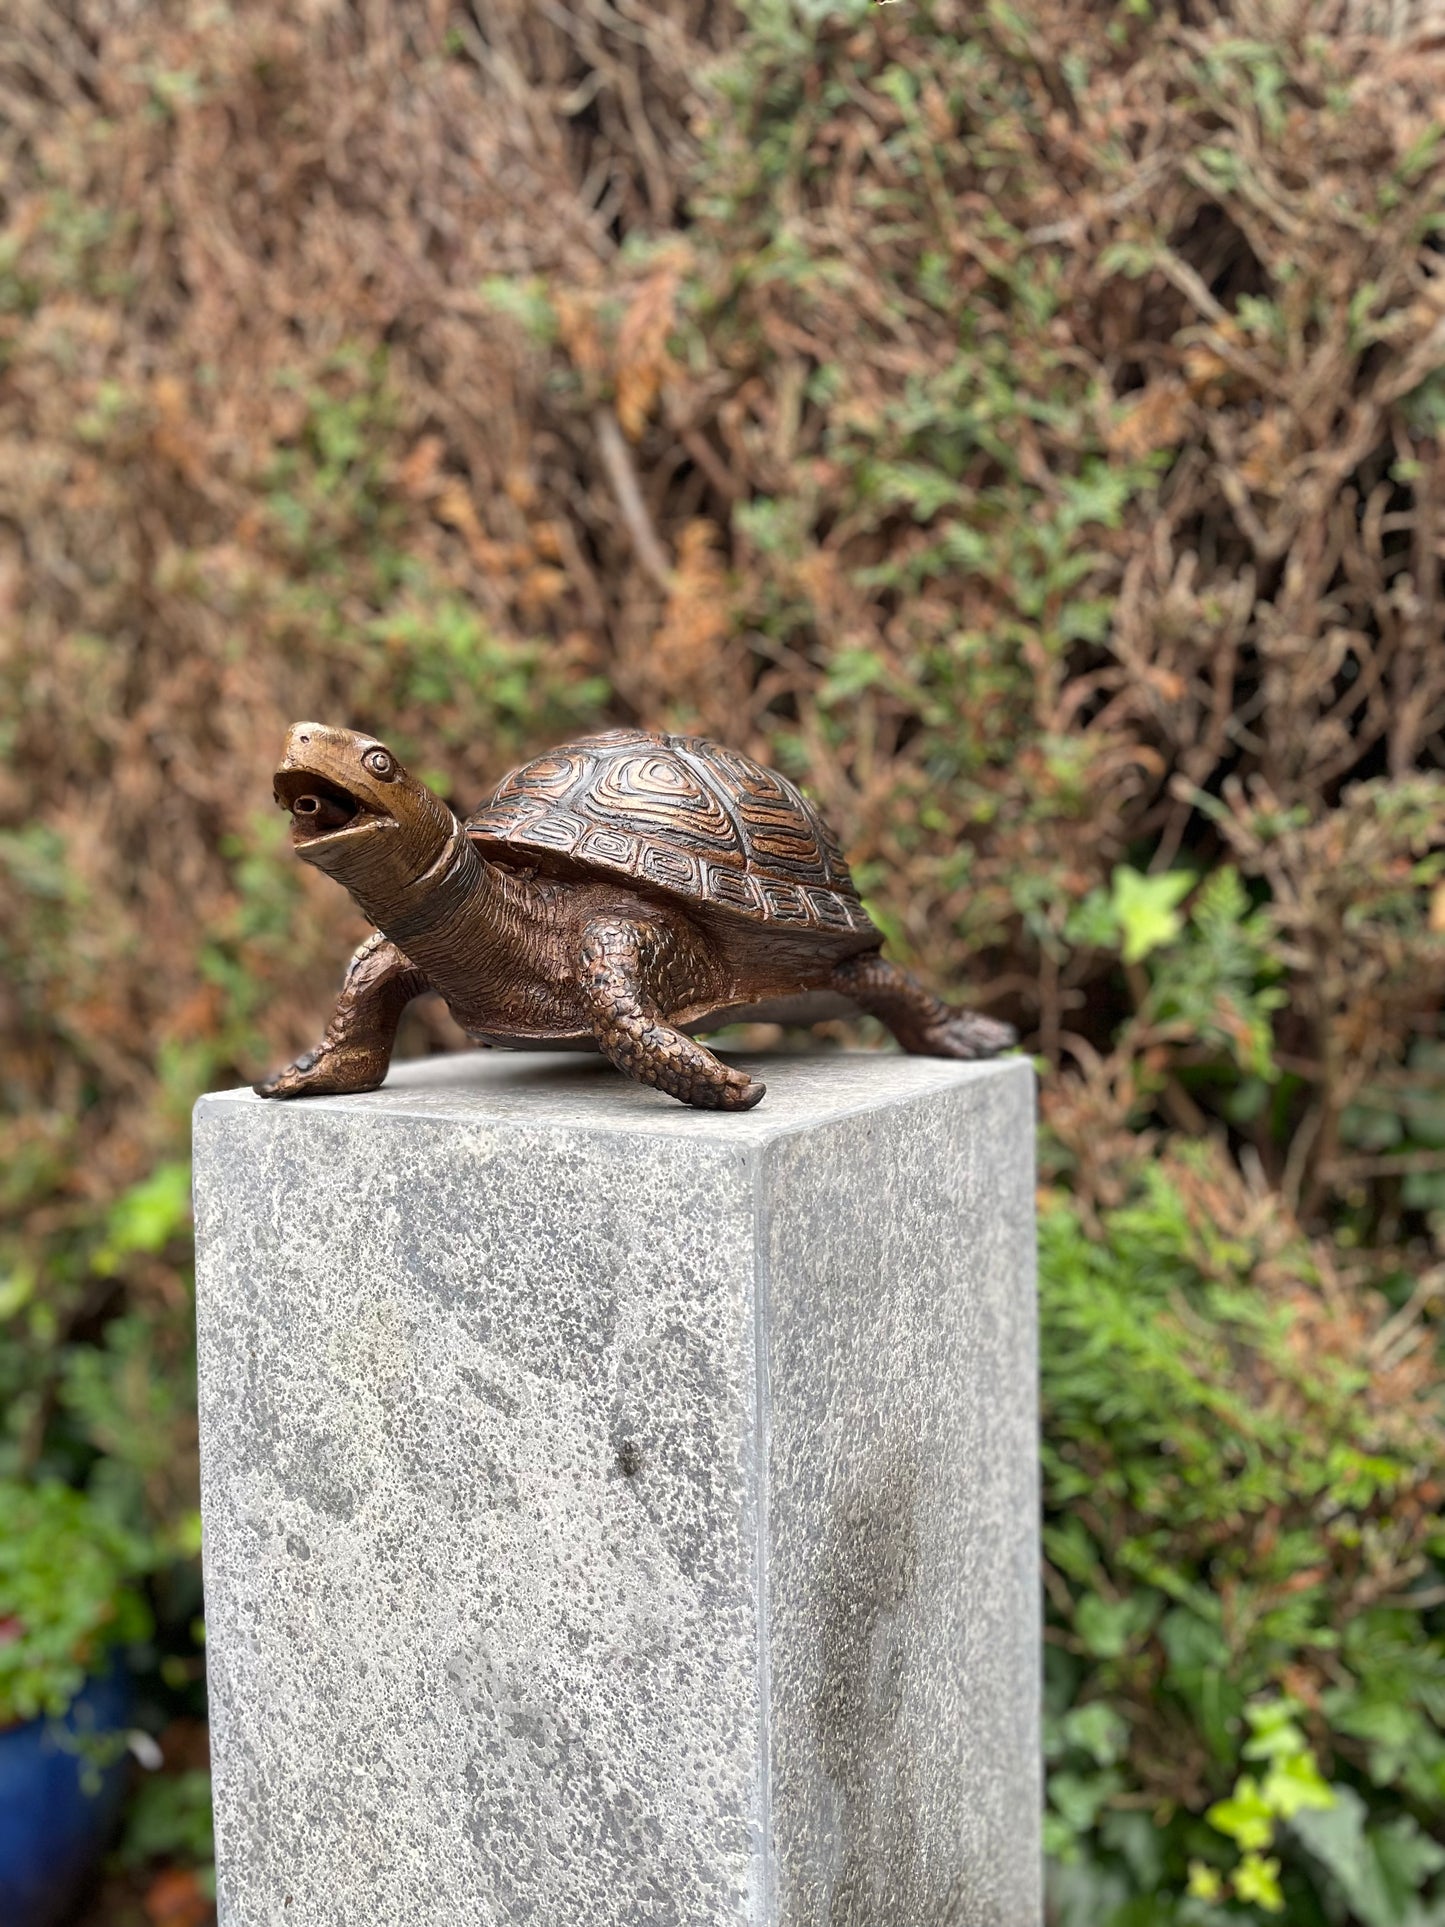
(1242, 1469)
(68, 1597)
(1021, 424)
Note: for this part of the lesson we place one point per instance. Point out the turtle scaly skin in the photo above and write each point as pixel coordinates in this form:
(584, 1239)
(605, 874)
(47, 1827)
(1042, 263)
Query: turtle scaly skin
(616, 894)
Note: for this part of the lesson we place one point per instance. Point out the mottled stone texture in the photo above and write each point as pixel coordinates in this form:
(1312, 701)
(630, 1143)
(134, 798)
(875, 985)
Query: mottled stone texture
(619, 1514)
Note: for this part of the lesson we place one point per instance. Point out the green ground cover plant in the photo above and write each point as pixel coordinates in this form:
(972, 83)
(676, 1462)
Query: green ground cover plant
(68, 1597)
(1020, 423)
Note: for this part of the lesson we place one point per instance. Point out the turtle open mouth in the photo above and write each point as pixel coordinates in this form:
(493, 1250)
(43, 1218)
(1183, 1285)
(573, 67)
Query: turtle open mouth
(318, 806)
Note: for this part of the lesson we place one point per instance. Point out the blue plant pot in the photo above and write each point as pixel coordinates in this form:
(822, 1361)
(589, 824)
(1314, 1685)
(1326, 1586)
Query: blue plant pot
(55, 1819)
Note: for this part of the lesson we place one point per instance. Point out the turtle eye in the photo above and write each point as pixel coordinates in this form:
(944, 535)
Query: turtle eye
(381, 763)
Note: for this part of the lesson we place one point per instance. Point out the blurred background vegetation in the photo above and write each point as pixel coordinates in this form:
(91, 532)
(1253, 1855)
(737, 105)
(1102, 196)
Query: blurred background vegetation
(1020, 422)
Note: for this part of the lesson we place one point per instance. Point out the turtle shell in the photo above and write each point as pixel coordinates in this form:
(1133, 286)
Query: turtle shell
(683, 816)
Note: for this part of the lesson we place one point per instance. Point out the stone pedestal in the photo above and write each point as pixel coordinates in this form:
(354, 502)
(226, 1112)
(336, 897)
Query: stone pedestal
(620, 1514)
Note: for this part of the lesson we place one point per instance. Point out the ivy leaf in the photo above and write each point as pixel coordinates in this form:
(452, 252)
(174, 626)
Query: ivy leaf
(1098, 1730)
(1245, 1816)
(1108, 1627)
(1257, 1880)
(1146, 908)
(1093, 924)
(1077, 1797)
(1379, 1870)
(1205, 1882)
(1294, 1784)
(1275, 1734)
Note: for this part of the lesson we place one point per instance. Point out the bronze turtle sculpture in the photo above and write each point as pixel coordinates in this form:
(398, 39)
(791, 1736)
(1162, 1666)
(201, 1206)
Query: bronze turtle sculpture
(617, 894)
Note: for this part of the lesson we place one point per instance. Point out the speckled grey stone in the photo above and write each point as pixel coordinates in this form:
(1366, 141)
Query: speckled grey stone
(620, 1514)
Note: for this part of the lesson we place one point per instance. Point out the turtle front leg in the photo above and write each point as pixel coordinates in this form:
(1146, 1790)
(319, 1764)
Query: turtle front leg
(923, 1024)
(613, 969)
(356, 1050)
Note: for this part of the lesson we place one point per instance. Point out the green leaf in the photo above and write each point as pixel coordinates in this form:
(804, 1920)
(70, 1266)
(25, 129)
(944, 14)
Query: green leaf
(850, 673)
(1077, 1797)
(1245, 1816)
(170, 1819)
(1098, 1730)
(1294, 1784)
(1257, 1880)
(524, 300)
(1108, 1627)
(148, 1216)
(17, 1287)
(1092, 924)
(1379, 1870)
(1129, 259)
(1205, 1882)
(1146, 908)
(1275, 1733)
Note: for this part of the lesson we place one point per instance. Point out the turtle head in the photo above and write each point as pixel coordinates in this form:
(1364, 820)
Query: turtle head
(358, 815)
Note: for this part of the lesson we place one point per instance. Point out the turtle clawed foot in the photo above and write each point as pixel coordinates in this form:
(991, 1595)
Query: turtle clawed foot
(734, 1091)
(967, 1034)
(751, 1091)
(290, 1082)
(323, 1073)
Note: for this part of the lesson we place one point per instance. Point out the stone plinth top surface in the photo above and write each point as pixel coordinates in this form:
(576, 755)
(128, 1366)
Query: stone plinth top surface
(584, 1092)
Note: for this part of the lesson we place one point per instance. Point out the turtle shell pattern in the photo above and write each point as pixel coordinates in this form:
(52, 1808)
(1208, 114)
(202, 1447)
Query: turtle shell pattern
(683, 815)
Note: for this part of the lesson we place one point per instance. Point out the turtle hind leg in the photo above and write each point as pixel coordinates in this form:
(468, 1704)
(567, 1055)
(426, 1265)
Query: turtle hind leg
(613, 968)
(356, 1050)
(923, 1024)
